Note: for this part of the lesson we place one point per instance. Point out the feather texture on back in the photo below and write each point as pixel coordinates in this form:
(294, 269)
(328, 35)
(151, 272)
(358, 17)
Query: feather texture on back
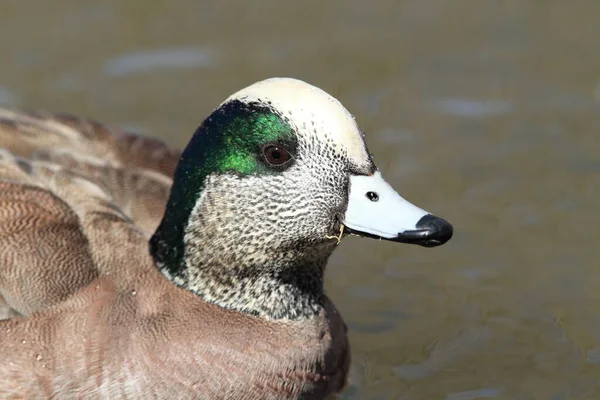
(78, 203)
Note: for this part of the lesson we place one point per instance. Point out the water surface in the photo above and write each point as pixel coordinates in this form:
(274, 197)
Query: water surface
(484, 112)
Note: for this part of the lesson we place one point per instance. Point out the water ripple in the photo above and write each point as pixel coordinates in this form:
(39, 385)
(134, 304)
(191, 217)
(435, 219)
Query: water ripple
(170, 58)
(468, 108)
(6, 96)
(485, 393)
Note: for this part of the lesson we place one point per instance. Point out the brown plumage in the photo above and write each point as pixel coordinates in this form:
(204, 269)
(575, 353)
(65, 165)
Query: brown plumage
(78, 203)
(143, 272)
(43, 246)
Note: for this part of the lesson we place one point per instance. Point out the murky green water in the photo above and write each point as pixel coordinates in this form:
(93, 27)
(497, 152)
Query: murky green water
(484, 112)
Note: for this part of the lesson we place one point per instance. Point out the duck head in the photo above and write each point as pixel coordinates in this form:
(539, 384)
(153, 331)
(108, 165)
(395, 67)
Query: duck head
(263, 193)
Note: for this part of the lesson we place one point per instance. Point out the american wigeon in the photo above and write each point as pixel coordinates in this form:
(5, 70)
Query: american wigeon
(142, 272)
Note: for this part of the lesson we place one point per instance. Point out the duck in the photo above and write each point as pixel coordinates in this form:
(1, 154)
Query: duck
(140, 271)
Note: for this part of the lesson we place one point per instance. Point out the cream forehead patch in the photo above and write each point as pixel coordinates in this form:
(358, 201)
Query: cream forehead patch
(308, 106)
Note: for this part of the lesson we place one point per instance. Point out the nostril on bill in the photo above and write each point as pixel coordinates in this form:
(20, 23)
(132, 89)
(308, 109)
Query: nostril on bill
(372, 196)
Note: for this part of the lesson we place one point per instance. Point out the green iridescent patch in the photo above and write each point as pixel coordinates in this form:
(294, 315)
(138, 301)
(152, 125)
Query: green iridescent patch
(243, 135)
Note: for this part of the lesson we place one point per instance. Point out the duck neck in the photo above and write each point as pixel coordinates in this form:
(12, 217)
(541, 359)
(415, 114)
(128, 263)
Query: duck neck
(274, 290)
(275, 285)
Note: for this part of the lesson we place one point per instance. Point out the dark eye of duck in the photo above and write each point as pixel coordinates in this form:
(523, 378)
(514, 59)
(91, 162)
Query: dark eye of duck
(276, 155)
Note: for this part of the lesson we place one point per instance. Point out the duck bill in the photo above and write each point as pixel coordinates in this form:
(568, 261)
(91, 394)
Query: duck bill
(376, 210)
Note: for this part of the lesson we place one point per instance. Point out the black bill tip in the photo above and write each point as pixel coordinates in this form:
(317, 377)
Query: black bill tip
(431, 231)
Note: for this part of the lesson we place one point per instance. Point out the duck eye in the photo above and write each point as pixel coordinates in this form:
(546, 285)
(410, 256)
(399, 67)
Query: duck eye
(276, 155)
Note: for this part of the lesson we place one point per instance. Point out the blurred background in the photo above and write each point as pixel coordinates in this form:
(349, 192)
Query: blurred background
(484, 112)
